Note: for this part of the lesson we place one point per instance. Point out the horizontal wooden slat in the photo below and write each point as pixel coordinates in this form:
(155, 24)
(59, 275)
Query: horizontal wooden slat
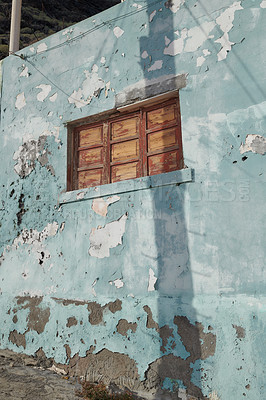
(89, 178)
(161, 116)
(125, 150)
(161, 140)
(164, 162)
(89, 157)
(124, 171)
(125, 128)
(91, 136)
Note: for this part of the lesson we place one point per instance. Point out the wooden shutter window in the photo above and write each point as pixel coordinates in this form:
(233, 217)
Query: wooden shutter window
(146, 142)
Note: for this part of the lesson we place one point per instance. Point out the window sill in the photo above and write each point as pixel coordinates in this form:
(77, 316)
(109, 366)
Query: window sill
(130, 185)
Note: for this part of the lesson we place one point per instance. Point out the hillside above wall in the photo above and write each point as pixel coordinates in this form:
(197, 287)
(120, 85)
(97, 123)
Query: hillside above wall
(43, 18)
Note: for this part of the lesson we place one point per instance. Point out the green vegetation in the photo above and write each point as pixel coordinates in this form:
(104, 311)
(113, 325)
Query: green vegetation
(42, 18)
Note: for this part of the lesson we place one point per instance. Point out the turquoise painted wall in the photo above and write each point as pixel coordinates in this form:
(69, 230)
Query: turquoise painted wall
(175, 300)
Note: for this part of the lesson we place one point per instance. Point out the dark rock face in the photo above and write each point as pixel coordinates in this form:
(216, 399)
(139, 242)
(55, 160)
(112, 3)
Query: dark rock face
(43, 18)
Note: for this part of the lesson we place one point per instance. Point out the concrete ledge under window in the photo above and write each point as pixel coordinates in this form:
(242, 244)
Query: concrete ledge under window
(131, 185)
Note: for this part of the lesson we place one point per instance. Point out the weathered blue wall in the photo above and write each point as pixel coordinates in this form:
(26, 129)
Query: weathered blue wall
(174, 299)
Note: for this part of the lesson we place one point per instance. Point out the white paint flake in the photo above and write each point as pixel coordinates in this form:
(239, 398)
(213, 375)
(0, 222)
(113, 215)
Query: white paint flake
(106, 238)
(42, 47)
(45, 90)
(263, 4)
(20, 101)
(95, 68)
(177, 45)
(198, 35)
(25, 72)
(53, 98)
(32, 49)
(118, 283)
(103, 60)
(100, 205)
(144, 54)
(200, 61)
(254, 143)
(138, 6)
(152, 281)
(206, 52)
(225, 22)
(107, 88)
(80, 195)
(156, 65)
(91, 87)
(166, 40)
(152, 15)
(118, 31)
(174, 5)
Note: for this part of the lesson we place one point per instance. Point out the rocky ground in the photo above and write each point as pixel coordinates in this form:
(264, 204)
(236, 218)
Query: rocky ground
(26, 378)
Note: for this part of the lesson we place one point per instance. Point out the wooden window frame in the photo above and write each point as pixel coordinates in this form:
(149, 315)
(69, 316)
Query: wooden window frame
(105, 121)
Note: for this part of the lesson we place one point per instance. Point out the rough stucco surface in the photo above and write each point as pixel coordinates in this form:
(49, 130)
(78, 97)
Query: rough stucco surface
(160, 290)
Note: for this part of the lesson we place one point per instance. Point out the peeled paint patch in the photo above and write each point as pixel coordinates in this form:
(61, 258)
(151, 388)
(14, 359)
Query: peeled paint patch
(25, 72)
(118, 31)
(100, 205)
(42, 47)
(157, 65)
(263, 4)
(144, 54)
(152, 15)
(225, 22)
(177, 45)
(152, 281)
(35, 240)
(27, 155)
(20, 101)
(106, 238)
(200, 61)
(38, 316)
(174, 5)
(53, 98)
(91, 87)
(118, 283)
(45, 90)
(254, 143)
(198, 35)
(124, 326)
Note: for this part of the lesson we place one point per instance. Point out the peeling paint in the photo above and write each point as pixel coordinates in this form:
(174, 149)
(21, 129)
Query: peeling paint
(27, 155)
(263, 4)
(53, 97)
(124, 326)
(41, 47)
(25, 72)
(100, 205)
(174, 5)
(106, 238)
(118, 31)
(254, 143)
(45, 90)
(156, 65)
(91, 87)
(152, 15)
(152, 281)
(20, 101)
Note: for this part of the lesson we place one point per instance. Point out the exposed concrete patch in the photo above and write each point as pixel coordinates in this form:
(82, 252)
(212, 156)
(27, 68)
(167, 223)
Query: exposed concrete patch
(45, 90)
(96, 313)
(240, 331)
(165, 333)
(30, 152)
(68, 351)
(199, 344)
(114, 306)
(67, 302)
(106, 367)
(254, 143)
(106, 238)
(17, 338)
(100, 205)
(20, 101)
(38, 317)
(124, 326)
(71, 321)
(150, 324)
